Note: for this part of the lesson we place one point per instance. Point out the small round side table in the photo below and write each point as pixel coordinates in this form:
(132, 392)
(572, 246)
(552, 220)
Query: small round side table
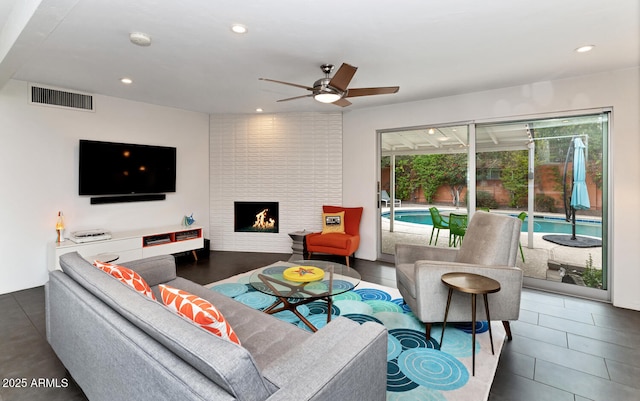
(473, 284)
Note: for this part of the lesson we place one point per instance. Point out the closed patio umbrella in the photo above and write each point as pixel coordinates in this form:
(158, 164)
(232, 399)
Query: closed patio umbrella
(579, 198)
(579, 194)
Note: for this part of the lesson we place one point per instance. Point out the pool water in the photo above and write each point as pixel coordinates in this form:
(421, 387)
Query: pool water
(553, 225)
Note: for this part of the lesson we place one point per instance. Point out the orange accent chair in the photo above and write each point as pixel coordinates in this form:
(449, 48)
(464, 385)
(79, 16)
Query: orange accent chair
(337, 243)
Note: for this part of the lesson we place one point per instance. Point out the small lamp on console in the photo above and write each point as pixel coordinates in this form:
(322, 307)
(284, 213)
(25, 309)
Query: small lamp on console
(60, 227)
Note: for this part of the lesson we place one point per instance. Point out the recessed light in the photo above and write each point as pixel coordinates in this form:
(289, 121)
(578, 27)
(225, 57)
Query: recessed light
(140, 39)
(126, 81)
(584, 49)
(239, 28)
(258, 110)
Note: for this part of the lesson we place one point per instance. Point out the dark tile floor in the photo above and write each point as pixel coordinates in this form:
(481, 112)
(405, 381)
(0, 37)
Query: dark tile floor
(564, 348)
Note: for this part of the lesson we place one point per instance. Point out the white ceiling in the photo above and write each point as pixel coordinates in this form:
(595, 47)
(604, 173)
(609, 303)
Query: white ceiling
(429, 48)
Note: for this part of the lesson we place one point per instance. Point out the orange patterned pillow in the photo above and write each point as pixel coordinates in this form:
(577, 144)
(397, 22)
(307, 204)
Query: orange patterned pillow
(127, 276)
(201, 311)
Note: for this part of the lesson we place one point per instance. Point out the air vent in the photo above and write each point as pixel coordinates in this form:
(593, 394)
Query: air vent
(54, 97)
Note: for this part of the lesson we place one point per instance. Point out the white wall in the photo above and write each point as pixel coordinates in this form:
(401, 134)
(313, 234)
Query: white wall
(39, 174)
(617, 89)
(291, 158)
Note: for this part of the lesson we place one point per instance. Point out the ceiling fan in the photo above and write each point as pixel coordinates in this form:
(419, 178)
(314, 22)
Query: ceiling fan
(334, 90)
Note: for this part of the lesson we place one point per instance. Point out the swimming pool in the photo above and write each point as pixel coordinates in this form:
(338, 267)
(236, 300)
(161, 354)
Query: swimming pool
(542, 224)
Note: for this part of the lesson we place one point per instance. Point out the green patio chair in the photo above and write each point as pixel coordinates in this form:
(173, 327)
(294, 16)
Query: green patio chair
(522, 216)
(438, 223)
(457, 228)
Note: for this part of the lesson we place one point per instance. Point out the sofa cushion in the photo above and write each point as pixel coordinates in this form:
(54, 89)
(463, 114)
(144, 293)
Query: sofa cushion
(200, 311)
(405, 275)
(155, 269)
(254, 328)
(488, 239)
(127, 276)
(333, 223)
(332, 240)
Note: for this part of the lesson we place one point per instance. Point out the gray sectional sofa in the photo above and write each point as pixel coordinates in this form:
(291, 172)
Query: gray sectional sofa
(120, 345)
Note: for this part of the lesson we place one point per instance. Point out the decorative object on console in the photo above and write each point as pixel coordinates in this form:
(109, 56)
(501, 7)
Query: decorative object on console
(97, 234)
(188, 220)
(60, 227)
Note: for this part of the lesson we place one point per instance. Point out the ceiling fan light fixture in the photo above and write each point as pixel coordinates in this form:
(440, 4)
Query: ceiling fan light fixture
(327, 97)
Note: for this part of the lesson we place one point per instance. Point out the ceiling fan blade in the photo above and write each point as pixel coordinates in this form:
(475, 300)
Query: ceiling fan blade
(343, 76)
(293, 98)
(342, 102)
(286, 83)
(371, 91)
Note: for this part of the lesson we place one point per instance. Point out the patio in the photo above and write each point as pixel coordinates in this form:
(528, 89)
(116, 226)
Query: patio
(544, 261)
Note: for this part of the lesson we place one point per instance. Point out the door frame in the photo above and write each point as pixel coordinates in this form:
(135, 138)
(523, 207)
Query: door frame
(546, 285)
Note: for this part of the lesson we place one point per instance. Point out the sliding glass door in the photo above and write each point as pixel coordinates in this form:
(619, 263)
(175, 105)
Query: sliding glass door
(552, 173)
(420, 168)
(528, 169)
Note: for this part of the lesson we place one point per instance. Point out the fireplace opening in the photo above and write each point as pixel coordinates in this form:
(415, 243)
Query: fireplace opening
(260, 217)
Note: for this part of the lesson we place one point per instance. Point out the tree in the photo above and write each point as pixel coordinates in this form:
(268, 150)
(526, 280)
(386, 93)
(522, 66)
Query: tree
(427, 174)
(430, 172)
(514, 175)
(453, 170)
(404, 177)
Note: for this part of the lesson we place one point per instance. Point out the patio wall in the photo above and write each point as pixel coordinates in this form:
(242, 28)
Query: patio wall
(546, 183)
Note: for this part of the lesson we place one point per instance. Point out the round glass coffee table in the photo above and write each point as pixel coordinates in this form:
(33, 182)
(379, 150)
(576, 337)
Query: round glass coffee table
(270, 280)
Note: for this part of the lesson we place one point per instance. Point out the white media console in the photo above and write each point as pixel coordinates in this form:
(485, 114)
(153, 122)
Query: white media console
(132, 245)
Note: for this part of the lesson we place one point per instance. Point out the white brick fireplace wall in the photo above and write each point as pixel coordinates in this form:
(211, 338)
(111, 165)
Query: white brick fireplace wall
(294, 159)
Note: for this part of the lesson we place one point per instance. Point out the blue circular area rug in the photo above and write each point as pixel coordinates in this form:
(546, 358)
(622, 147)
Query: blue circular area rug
(256, 300)
(230, 289)
(370, 294)
(433, 369)
(417, 368)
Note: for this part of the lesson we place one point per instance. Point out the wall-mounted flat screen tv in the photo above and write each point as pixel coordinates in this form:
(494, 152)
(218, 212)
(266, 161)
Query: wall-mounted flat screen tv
(109, 168)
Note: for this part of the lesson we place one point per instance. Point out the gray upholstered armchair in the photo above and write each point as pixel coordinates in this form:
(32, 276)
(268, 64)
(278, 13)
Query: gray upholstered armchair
(490, 248)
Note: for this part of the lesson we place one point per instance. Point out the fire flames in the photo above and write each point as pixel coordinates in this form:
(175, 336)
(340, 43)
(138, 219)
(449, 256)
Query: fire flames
(261, 221)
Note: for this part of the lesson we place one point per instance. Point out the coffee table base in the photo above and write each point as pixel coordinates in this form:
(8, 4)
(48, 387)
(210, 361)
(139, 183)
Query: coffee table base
(291, 306)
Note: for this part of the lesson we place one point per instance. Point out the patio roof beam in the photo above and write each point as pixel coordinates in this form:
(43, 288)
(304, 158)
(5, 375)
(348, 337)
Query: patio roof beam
(406, 142)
